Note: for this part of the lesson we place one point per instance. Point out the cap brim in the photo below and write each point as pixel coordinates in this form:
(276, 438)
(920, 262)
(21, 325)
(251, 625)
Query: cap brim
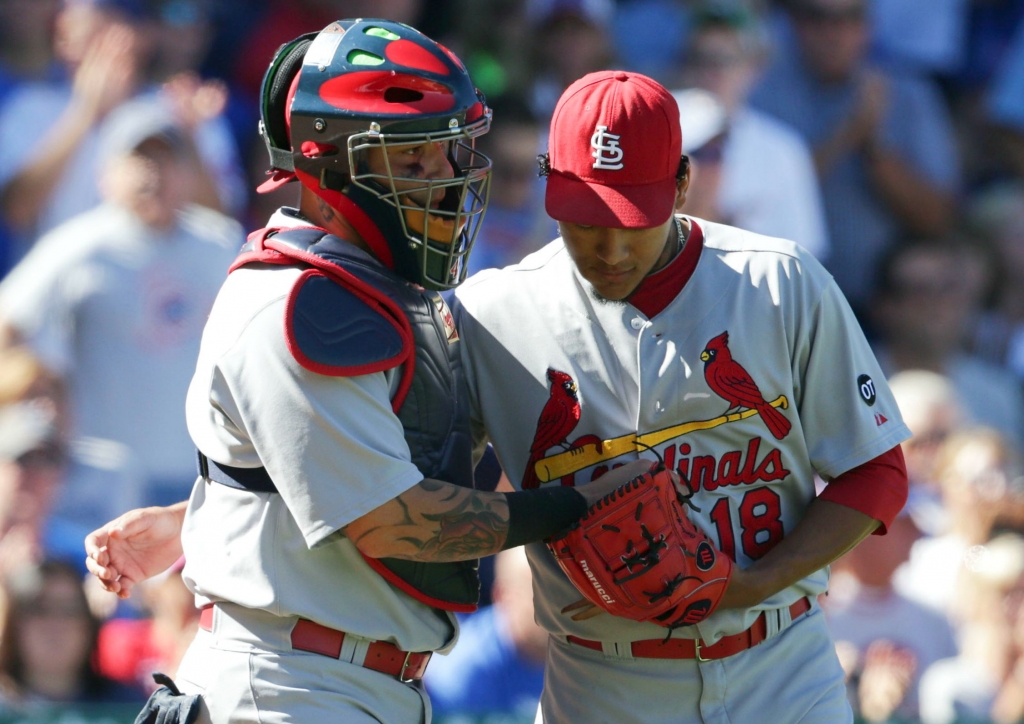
(628, 207)
(276, 180)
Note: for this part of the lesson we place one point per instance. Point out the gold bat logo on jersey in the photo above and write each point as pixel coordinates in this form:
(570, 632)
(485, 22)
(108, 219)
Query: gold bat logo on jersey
(592, 453)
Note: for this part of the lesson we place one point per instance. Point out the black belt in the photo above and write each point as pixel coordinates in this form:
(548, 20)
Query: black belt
(256, 480)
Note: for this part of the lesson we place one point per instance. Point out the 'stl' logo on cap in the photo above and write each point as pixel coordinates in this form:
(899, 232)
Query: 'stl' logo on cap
(607, 154)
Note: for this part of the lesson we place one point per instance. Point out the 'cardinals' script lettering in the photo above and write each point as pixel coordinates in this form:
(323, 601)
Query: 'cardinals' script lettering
(735, 467)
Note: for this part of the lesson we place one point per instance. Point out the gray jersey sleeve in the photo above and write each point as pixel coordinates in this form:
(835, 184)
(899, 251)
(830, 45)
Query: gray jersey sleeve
(847, 411)
(332, 445)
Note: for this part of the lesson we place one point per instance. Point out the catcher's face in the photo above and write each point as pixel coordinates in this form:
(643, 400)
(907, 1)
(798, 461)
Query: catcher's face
(410, 165)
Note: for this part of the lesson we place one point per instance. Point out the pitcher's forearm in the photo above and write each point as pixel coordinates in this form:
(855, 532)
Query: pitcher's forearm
(827, 532)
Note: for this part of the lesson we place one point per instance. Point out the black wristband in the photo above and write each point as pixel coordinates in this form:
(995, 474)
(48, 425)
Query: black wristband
(534, 515)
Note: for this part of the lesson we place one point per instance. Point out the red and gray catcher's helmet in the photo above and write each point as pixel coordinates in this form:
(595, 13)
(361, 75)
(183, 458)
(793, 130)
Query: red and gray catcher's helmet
(360, 87)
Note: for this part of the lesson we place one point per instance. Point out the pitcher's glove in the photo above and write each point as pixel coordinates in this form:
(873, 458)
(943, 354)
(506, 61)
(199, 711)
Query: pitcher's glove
(636, 554)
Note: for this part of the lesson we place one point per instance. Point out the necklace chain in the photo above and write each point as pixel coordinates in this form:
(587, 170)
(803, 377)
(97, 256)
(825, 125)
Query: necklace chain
(680, 238)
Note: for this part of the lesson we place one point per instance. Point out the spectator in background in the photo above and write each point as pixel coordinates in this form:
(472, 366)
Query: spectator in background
(516, 221)
(979, 472)
(50, 132)
(182, 38)
(33, 462)
(498, 666)
(645, 34)
(114, 302)
(997, 215)
(929, 406)
(23, 378)
(46, 644)
(768, 181)
(36, 460)
(491, 40)
(131, 650)
(281, 20)
(1004, 103)
(569, 42)
(26, 55)
(704, 125)
(47, 130)
(882, 140)
(985, 683)
(927, 296)
(929, 36)
(26, 42)
(883, 630)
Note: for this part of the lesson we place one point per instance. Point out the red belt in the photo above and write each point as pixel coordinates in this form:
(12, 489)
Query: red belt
(697, 649)
(380, 655)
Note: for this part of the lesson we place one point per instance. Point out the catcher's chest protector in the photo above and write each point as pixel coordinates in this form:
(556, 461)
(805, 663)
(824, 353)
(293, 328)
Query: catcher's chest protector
(431, 405)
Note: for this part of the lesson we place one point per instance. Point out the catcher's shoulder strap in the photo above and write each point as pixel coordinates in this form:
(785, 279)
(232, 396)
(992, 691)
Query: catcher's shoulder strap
(255, 480)
(336, 323)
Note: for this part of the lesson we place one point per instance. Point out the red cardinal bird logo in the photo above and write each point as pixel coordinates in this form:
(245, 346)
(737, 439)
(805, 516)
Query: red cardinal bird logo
(558, 419)
(727, 378)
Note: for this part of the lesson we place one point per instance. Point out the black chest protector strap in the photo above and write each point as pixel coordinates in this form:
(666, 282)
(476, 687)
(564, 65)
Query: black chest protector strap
(255, 480)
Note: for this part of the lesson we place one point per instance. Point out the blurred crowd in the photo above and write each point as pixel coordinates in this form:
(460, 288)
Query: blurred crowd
(885, 136)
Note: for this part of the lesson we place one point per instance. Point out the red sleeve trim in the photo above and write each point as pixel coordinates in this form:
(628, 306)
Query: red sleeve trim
(878, 488)
(388, 575)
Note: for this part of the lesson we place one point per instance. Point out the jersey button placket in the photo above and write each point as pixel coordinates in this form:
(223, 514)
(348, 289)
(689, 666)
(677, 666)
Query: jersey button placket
(656, 335)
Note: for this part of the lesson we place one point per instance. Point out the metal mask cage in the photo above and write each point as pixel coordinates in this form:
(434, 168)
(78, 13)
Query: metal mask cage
(456, 220)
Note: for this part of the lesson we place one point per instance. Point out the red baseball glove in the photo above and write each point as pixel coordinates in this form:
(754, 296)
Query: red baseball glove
(636, 554)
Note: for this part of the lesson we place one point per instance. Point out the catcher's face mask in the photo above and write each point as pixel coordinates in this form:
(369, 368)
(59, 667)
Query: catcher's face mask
(438, 184)
(360, 114)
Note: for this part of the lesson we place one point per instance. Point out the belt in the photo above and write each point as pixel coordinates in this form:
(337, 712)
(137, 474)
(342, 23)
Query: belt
(697, 649)
(316, 639)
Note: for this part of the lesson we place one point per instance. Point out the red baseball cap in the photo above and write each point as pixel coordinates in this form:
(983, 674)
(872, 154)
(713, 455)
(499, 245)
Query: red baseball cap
(614, 152)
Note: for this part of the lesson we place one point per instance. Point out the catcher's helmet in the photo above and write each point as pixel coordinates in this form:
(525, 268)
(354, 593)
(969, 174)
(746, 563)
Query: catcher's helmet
(329, 99)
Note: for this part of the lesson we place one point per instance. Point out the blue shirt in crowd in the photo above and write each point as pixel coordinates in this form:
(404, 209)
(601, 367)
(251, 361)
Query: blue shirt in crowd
(916, 126)
(484, 673)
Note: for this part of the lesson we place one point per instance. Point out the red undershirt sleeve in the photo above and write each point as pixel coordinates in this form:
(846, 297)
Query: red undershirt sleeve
(877, 488)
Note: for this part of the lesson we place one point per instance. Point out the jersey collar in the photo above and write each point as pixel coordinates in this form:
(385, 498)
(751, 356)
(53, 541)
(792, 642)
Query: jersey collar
(657, 290)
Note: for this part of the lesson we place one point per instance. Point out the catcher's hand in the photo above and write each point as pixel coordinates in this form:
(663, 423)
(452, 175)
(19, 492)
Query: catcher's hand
(635, 554)
(135, 546)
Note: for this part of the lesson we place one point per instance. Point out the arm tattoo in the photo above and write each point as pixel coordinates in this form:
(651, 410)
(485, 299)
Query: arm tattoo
(448, 523)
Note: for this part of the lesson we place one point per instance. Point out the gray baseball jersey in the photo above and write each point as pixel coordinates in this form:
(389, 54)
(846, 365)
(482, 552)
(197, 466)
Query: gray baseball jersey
(565, 386)
(335, 451)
